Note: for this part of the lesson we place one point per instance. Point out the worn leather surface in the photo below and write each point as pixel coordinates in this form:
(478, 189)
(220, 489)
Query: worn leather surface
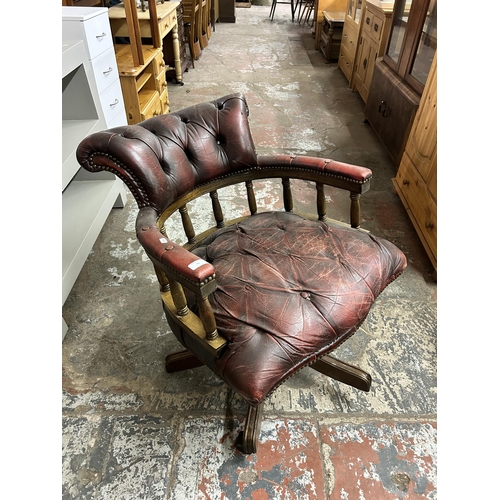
(290, 290)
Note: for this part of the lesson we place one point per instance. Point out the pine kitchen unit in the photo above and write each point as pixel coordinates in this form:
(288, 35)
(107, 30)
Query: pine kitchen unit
(375, 25)
(416, 179)
(144, 86)
(350, 37)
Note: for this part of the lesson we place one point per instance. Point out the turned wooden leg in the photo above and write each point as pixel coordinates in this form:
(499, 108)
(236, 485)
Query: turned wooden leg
(183, 360)
(248, 438)
(343, 372)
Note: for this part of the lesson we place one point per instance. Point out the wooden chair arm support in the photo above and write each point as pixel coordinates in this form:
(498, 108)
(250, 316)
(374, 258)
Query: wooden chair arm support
(335, 173)
(175, 261)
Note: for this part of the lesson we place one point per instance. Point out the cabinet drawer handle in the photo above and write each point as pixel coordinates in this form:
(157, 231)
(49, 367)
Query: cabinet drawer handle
(365, 62)
(375, 27)
(367, 20)
(108, 71)
(384, 109)
(406, 182)
(101, 36)
(113, 104)
(429, 225)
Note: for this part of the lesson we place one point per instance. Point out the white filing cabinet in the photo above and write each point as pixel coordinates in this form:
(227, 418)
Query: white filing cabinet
(91, 24)
(87, 198)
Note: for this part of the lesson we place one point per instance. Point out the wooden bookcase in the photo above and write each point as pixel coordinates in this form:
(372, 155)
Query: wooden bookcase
(416, 179)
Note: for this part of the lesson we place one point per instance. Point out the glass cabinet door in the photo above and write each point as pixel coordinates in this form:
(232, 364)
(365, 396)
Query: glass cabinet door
(357, 14)
(399, 25)
(426, 46)
(350, 8)
(354, 10)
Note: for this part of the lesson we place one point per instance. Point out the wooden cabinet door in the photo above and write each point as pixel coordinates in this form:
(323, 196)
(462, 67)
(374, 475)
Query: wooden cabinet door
(390, 109)
(422, 144)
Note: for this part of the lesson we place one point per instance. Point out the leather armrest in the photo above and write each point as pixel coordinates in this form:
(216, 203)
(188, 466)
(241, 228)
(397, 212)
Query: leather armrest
(342, 174)
(175, 261)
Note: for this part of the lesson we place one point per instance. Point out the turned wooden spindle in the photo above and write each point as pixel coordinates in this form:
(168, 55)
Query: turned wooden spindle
(217, 209)
(355, 210)
(207, 318)
(321, 201)
(162, 280)
(287, 194)
(187, 224)
(179, 298)
(252, 203)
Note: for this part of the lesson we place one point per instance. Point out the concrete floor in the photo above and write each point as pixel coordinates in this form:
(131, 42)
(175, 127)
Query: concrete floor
(132, 431)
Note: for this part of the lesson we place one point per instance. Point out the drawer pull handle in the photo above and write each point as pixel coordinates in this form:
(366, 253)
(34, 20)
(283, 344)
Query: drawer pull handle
(406, 182)
(113, 104)
(375, 27)
(367, 20)
(429, 225)
(365, 62)
(101, 36)
(108, 71)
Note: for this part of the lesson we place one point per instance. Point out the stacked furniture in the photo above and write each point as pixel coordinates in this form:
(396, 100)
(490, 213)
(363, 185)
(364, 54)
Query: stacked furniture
(91, 101)
(320, 6)
(168, 47)
(331, 34)
(192, 14)
(142, 67)
(350, 37)
(375, 24)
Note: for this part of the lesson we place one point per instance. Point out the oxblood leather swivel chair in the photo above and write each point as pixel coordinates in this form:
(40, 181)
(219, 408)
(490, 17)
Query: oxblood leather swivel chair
(260, 297)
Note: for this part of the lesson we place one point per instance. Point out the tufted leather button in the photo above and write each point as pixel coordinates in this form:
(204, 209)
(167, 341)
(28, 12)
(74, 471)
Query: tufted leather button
(305, 295)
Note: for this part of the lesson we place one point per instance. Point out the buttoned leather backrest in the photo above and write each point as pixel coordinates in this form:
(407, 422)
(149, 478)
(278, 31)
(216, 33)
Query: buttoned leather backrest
(178, 151)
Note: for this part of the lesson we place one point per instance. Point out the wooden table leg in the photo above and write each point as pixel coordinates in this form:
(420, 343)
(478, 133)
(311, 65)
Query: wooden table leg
(177, 54)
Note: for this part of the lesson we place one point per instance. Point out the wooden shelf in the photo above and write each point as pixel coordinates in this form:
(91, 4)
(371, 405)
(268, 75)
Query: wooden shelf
(125, 61)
